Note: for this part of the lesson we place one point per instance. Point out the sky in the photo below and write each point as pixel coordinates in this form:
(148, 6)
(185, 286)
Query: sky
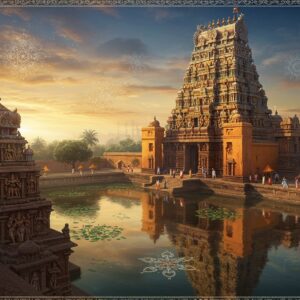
(114, 69)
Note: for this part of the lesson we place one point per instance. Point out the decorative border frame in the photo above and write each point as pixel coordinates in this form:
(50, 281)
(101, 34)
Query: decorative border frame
(149, 3)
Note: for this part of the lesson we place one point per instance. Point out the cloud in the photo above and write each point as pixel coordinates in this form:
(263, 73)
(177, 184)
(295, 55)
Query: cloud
(290, 112)
(178, 62)
(123, 46)
(161, 14)
(274, 59)
(40, 79)
(290, 84)
(70, 26)
(70, 34)
(110, 11)
(15, 11)
(157, 89)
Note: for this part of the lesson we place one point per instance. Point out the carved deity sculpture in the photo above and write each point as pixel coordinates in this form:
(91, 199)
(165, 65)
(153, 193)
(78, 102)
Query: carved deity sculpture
(9, 153)
(31, 185)
(35, 281)
(41, 221)
(19, 227)
(11, 224)
(66, 231)
(53, 271)
(13, 187)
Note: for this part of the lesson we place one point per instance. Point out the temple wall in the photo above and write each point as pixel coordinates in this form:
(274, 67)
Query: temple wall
(60, 167)
(264, 154)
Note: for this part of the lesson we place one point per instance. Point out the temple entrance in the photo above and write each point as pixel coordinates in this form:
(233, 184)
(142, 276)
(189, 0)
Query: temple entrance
(192, 158)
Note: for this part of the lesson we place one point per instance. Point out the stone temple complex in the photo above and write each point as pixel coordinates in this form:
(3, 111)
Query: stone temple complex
(32, 255)
(221, 119)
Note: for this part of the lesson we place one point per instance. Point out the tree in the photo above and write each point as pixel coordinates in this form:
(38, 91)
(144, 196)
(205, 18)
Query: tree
(126, 145)
(98, 150)
(72, 151)
(90, 137)
(39, 147)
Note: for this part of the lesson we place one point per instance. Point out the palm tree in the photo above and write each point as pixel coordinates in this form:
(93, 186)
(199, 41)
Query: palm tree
(89, 136)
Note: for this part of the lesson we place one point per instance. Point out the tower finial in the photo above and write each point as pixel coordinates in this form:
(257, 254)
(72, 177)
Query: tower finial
(236, 9)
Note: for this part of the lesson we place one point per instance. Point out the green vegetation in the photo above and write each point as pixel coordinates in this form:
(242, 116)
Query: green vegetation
(126, 145)
(80, 211)
(218, 213)
(46, 151)
(90, 137)
(97, 233)
(71, 151)
(43, 150)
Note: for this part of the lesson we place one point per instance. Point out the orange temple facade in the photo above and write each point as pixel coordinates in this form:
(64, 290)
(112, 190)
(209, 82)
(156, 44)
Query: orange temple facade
(221, 120)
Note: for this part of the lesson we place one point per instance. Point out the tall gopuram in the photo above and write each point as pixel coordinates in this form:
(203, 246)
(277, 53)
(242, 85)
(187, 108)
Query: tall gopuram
(221, 119)
(29, 248)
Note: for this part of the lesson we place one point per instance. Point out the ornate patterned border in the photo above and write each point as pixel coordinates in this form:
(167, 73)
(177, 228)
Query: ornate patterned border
(153, 3)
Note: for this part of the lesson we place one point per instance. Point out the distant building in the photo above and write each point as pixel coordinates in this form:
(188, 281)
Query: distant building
(37, 254)
(221, 119)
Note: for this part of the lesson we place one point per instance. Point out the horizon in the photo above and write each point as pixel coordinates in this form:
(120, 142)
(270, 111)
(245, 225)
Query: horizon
(113, 69)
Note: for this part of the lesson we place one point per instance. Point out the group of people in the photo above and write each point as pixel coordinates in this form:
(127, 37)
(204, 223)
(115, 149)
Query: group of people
(129, 169)
(173, 172)
(274, 179)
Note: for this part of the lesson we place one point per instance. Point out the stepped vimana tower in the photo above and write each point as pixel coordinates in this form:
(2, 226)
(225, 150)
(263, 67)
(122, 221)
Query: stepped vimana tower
(35, 255)
(221, 119)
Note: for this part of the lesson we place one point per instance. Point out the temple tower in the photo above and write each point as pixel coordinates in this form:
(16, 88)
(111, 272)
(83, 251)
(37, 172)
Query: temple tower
(28, 246)
(152, 151)
(221, 83)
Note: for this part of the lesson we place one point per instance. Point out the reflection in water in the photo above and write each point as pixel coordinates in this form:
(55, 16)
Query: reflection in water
(244, 255)
(230, 254)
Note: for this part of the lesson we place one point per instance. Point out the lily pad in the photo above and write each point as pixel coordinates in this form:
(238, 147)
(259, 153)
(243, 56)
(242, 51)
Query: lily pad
(96, 233)
(218, 213)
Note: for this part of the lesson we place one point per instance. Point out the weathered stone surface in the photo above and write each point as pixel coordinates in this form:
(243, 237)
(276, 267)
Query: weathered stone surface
(33, 256)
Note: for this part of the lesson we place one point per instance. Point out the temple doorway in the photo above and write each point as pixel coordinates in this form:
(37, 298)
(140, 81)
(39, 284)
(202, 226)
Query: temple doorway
(192, 163)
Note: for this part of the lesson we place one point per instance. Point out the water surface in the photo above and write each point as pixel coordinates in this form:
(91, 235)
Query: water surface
(163, 247)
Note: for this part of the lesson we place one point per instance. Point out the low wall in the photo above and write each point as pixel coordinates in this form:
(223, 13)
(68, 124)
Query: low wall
(75, 179)
(121, 159)
(256, 192)
(59, 167)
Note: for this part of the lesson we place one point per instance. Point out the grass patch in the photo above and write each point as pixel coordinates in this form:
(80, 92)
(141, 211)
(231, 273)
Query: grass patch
(216, 214)
(94, 233)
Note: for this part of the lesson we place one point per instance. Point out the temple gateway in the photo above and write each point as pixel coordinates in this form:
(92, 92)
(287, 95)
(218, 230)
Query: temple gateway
(221, 119)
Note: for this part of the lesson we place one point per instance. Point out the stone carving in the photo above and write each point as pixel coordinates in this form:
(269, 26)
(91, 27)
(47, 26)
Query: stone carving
(23, 231)
(31, 185)
(9, 153)
(35, 281)
(13, 187)
(10, 119)
(19, 227)
(53, 272)
(42, 221)
(66, 231)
